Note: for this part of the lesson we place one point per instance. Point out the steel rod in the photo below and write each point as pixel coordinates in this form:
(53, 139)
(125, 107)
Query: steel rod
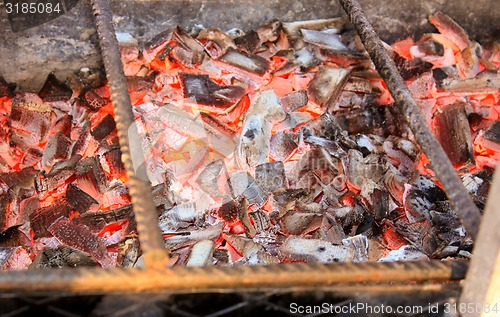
(140, 189)
(235, 278)
(455, 190)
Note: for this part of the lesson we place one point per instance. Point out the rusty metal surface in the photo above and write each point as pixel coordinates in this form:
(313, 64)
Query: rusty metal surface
(236, 278)
(455, 190)
(139, 188)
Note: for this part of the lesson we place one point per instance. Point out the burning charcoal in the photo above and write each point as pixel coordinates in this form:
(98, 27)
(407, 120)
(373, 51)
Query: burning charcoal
(369, 120)
(328, 39)
(163, 196)
(417, 206)
(453, 132)
(83, 140)
(260, 220)
(419, 233)
(244, 184)
(30, 114)
(78, 199)
(14, 259)
(411, 68)
(157, 44)
(31, 157)
(185, 238)
(450, 29)
(96, 221)
(359, 85)
(294, 29)
(487, 81)
(405, 253)
(333, 231)
(57, 176)
(14, 237)
(62, 257)
(310, 250)
(90, 170)
(326, 126)
(19, 179)
(248, 62)
(394, 182)
(188, 126)
(259, 258)
(82, 239)
(217, 41)
(221, 256)
(201, 254)
(349, 217)
(315, 168)
(217, 125)
(478, 186)
(428, 47)
(270, 31)
(58, 148)
(282, 146)
(229, 211)
(327, 84)
(248, 42)
(332, 147)
(92, 100)
(443, 73)
(205, 91)
(213, 179)
(245, 220)
(286, 198)
(294, 101)
(306, 58)
(271, 176)
(193, 49)
(360, 245)
(243, 245)
(44, 217)
(406, 147)
(300, 223)
(54, 90)
(380, 203)
(493, 133)
(359, 169)
(129, 252)
(6, 89)
(254, 143)
(104, 128)
(63, 125)
(114, 160)
(294, 119)
(179, 216)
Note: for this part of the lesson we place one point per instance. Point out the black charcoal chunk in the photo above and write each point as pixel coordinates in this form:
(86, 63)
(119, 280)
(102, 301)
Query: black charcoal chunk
(453, 132)
(104, 128)
(78, 199)
(54, 90)
(271, 176)
(62, 257)
(207, 92)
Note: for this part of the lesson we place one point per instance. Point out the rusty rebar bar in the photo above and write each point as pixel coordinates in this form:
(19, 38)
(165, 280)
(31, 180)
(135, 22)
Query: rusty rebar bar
(140, 189)
(455, 190)
(229, 279)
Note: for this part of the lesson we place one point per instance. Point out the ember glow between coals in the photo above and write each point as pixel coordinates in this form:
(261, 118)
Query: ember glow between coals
(276, 145)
